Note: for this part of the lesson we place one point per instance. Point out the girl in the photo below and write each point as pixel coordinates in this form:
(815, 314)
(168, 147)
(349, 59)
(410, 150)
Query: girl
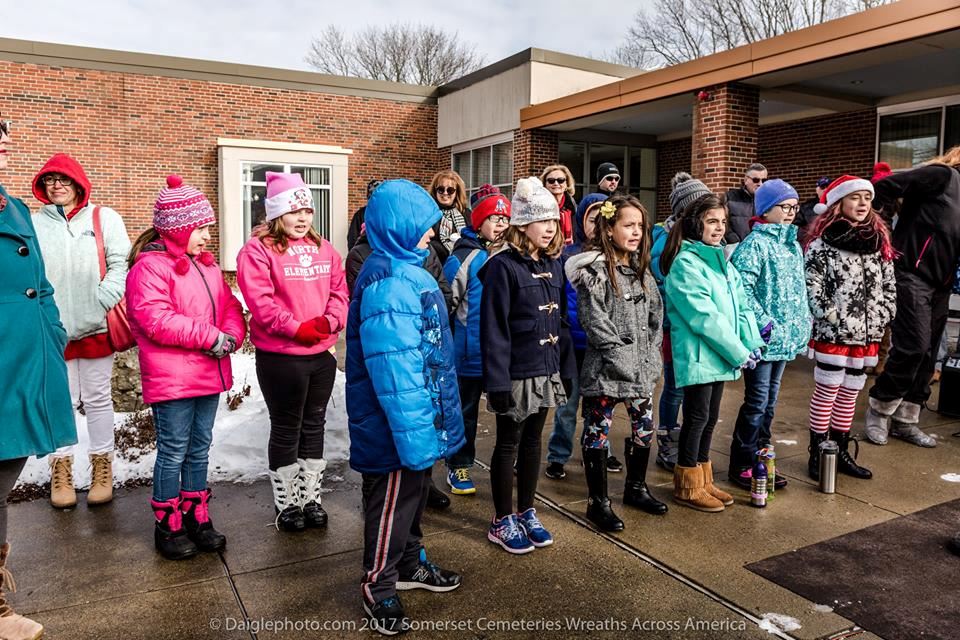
(559, 181)
(620, 308)
(852, 292)
(522, 338)
(186, 322)
(293, 282)
(450, 194)
(491, 214)
(714, 335)
(770, 263)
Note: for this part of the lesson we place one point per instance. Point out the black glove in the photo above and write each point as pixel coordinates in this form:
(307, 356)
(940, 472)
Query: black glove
(500, 401)
(567, 386)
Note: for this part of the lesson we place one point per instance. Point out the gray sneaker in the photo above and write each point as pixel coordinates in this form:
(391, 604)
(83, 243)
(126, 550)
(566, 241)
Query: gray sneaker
(877, 427)
(911, 433)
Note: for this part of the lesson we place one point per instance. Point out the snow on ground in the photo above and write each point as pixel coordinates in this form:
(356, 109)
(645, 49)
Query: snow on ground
(239, 450)
(951, 477)
(773, 622)
(786, 441)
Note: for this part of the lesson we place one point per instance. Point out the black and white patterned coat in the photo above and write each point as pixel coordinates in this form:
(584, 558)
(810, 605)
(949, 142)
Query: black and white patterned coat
(853, 296)
(623, 331)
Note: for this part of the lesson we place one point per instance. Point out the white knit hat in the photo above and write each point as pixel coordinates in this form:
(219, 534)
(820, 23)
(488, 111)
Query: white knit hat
(840, 189)
(532, 203)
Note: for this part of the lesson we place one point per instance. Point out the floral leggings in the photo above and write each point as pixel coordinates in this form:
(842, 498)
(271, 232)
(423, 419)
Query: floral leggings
(598, 415)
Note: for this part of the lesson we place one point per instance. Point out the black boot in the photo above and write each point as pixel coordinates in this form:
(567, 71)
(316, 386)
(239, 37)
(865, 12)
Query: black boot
(813, 463)
(599, 511)
(196, 520)
(437, 499)
(635, 492)
(845, 462)
(169, 534)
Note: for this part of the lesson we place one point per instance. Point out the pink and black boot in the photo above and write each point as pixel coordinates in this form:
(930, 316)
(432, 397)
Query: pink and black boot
(169, 534)
(196, 520)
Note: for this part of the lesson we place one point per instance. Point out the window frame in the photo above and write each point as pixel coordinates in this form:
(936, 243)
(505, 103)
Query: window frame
(916, 107)
(484, 143)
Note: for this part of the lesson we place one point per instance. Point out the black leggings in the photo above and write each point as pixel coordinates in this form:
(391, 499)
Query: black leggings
(296, 390)
(520, 442)
(701, 408)
(9, 472)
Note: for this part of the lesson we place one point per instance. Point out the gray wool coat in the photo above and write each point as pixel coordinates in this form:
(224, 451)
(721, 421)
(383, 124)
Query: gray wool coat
(623, 331)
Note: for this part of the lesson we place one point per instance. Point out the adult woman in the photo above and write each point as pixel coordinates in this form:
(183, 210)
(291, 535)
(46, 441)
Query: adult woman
(559, 182)
(66, 232)
(450, 193)
(39, 418)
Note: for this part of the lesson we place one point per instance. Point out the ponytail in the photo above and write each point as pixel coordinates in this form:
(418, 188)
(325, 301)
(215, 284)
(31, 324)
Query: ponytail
(145, 238)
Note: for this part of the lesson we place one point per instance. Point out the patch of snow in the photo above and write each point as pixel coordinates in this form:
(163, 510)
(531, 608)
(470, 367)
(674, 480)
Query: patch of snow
(773, 622)
(239, 449)
(786, 442)
(822, 608)
(951, 477)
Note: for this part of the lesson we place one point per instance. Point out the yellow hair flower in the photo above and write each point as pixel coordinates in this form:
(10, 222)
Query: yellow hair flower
(607, 209)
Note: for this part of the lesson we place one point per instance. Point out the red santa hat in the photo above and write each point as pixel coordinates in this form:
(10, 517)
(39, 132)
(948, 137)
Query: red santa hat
(839, 189)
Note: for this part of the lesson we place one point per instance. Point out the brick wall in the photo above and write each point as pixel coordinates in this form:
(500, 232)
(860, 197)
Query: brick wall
(725, 134)
(129, 131)
(672, 156)
(533, 150)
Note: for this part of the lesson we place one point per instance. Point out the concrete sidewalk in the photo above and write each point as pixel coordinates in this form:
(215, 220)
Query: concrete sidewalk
(94, 573)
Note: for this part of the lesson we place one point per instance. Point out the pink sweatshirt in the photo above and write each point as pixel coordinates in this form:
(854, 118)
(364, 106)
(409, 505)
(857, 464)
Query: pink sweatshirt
(284, 289)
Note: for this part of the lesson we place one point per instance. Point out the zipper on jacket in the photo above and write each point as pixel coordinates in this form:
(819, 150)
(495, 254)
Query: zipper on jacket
(866, 300)
(223, 382)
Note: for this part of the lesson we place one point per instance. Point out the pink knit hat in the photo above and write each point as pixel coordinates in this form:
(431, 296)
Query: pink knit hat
(178, 211)
(286, 193)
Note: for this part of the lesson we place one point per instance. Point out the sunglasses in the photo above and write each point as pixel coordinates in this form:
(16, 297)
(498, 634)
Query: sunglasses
(5, 126)
(50, 180)
(756, 180)
(611, 178)
(556, 181)
(446, 191)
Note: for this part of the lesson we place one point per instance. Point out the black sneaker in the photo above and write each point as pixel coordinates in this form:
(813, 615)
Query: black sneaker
(555, 471)
(387, 616)
(437, 499)
(430, 577)
(614, 465)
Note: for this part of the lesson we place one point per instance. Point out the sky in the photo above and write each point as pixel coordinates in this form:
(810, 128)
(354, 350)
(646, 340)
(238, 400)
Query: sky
(278, 34)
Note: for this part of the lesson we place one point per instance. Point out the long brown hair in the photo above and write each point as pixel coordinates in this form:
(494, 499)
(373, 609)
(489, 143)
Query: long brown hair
(145, 238)
(602, 241)
(950, 157)
(272, 234)
(516, 236)
(687, 225)
(461, 202)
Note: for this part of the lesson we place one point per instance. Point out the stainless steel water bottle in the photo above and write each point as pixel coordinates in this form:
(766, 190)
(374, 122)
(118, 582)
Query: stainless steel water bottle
(828, 466)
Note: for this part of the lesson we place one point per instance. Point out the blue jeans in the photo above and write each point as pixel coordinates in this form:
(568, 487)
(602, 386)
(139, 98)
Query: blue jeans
(671, 399)
(752, 431)
(184, 433)
(560, 444)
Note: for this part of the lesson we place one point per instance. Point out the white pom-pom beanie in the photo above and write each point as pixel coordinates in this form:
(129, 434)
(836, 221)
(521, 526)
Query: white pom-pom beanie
(532, 203)
(839, 189)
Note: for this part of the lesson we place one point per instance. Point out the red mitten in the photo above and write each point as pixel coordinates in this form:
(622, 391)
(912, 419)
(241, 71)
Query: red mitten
(322, 325)
(307, 334)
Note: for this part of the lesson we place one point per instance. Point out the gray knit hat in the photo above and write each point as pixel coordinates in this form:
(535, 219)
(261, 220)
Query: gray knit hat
(532, 203)
(685, 189)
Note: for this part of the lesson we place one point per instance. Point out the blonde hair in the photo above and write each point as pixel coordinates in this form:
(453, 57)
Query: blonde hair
(272, 234)
(950, 157)
(515, 235)
(461, 201)
(570, 188)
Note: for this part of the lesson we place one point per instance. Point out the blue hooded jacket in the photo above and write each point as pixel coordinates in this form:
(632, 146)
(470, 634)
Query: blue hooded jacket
(577, 333)
(403, 403)
(461, 271)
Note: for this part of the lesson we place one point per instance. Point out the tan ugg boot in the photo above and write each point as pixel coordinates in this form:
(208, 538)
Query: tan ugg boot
(712, 489)
(101, 478)
(688, 490)
(62, 493)
(12, 625)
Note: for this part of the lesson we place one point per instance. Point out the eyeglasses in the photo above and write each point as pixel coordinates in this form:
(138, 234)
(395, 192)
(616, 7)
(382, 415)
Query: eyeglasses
(756, 180)
(611, 178)
(556, 181)
(789, 208)
(496, 219)
(5, 126)
(53, 179)
(446, 191)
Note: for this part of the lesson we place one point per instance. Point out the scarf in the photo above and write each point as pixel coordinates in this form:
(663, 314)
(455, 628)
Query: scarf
(856, 238)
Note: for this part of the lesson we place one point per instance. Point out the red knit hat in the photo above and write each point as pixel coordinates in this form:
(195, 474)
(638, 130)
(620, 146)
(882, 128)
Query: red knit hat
(486, 202)
(880, 171)
(839, 189)
(178, 211)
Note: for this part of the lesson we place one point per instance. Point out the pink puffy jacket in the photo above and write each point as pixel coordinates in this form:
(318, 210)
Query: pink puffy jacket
(175, 318)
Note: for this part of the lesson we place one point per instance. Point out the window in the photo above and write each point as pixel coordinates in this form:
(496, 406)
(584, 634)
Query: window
(909, 135)
(638, 168)
(491, 164)
(243, 188)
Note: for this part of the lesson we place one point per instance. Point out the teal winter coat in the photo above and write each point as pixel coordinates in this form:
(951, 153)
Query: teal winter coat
(770, 263)
(35, 402)
(712, 328)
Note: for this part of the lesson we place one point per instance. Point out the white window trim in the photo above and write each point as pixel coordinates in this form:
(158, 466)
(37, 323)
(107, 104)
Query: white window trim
(917, 105)
(231, 153)
(489, 141)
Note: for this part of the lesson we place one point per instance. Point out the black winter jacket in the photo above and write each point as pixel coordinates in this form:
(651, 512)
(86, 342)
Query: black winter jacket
(740, 206)
(361, 251)
(928, 229)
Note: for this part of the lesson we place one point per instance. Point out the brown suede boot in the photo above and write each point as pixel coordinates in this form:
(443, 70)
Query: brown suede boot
(688, 490)
(101, 478)
(62, 493)
(712, 489)
(12, 625)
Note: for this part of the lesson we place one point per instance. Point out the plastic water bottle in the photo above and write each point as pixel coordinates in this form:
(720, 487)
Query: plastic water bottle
(758, 485)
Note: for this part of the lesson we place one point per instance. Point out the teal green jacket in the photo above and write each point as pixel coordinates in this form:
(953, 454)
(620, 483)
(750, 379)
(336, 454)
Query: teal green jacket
(770, 263)
(712, 328)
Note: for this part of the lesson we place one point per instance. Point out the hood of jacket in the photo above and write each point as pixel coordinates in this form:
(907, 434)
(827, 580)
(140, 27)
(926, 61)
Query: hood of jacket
(575, 266)
(579, 236)
(469, 239)
(63, 164)
(712, 256)
(398, 213)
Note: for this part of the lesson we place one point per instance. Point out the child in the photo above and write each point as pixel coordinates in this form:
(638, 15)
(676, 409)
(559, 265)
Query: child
(491, 213)
(714, 335)
(770, 263)
(402, 401)
(522, 338)
(560, 444)
(186, 322)
(621, 311)
(852, 292)
(293, 283)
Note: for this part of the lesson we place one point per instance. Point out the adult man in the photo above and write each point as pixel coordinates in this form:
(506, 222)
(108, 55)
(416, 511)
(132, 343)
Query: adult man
(608, 178)
(807, 215)
(740, 206)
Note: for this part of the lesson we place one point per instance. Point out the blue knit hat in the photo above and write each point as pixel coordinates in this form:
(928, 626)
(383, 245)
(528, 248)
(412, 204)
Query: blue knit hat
(770, 194)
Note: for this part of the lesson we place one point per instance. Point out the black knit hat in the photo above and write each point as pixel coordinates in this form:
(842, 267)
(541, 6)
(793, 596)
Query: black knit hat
(607, 169)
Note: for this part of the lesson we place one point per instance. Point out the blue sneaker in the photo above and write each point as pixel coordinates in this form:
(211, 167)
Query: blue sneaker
(460, 482)
(506, 533)
(531, 525)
